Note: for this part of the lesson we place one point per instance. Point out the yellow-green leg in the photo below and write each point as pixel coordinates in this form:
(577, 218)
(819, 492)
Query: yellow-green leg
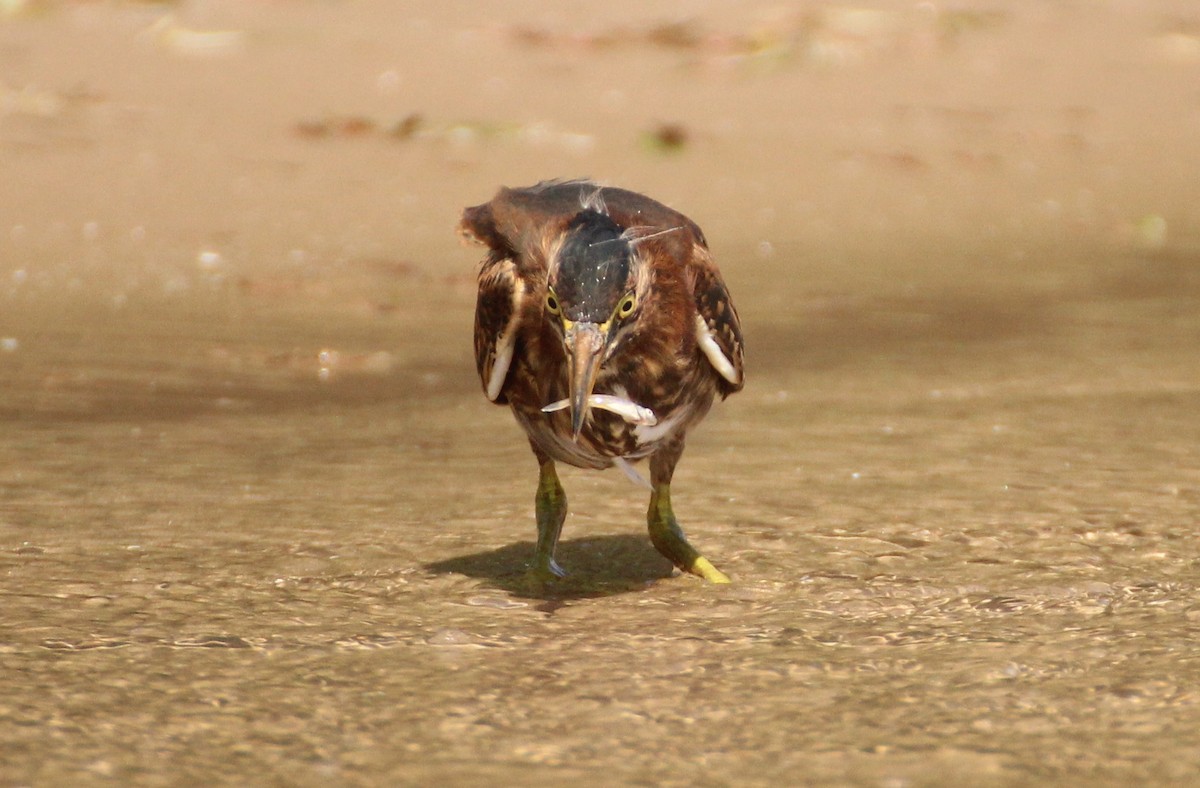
(665, 533)
(551, 507)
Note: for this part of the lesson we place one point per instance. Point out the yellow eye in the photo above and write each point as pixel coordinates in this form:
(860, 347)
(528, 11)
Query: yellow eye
(625, 309)
(552, 304)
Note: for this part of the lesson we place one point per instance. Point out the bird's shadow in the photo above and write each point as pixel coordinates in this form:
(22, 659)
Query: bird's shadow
(596, 567)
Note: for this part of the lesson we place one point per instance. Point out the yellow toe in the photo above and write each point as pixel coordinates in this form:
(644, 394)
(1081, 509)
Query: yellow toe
(703, 568)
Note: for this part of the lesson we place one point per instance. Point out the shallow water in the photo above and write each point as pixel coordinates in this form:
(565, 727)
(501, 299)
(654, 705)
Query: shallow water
(952, 560)
(258, 524)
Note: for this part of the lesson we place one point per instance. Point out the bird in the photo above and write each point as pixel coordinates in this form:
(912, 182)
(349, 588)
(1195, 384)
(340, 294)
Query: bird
(606, 327)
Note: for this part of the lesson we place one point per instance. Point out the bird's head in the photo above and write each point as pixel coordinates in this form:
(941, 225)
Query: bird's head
(592, 299)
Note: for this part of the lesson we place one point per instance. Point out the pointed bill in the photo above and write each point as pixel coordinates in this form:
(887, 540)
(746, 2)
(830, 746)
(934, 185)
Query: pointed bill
(585, 343)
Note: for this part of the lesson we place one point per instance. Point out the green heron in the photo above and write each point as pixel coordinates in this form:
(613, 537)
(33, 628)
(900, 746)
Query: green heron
(604, 324)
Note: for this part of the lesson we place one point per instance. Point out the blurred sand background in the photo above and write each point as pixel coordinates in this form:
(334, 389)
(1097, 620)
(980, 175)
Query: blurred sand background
(258, 524)
(822, 145)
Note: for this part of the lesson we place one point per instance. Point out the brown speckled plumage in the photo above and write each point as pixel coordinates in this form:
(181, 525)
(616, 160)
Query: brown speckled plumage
(659, 356)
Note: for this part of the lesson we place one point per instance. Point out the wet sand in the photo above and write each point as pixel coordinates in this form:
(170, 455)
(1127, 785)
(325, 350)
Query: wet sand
(258, 524)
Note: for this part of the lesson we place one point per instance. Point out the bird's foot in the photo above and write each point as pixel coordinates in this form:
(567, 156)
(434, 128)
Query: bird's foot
(704, 568)
(546, 570)
(542, 577)
(668, 539)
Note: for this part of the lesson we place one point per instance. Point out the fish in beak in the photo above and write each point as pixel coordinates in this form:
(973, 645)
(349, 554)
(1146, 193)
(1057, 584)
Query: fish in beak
(585, 350)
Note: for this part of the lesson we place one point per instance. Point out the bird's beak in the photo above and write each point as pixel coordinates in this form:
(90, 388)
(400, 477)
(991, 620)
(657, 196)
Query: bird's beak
(585, 347)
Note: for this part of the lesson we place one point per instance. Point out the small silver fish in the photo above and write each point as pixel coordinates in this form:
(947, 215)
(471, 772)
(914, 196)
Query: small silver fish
(629, 410)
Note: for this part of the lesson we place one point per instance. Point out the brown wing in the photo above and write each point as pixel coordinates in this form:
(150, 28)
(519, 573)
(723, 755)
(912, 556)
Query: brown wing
(512, 269)
(497, 323)
(718, 329)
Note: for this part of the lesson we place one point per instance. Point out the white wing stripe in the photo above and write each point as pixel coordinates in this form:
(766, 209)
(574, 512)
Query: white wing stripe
(506, 341)
(713, 352)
